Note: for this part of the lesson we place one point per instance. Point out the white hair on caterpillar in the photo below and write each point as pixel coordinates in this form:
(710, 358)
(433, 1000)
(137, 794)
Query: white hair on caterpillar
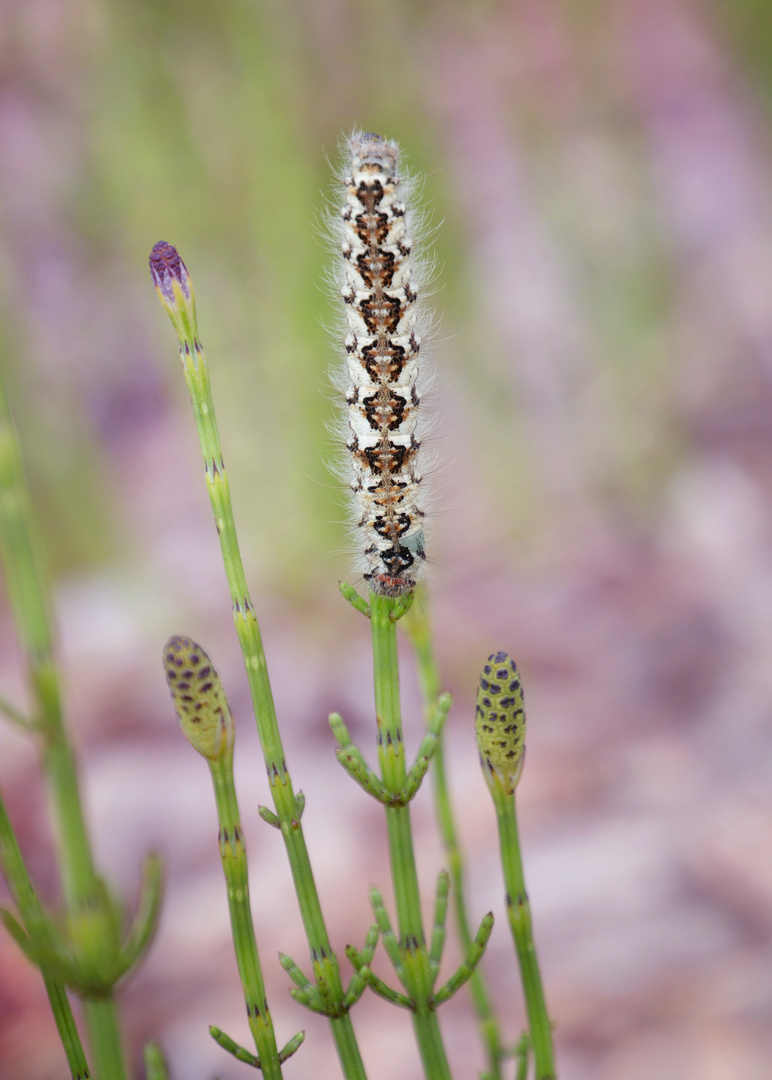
(383, 384)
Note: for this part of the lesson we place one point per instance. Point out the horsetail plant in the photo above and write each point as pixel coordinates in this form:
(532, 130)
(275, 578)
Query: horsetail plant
(416, 626)
(325, 994)
(415, 965)
(207, 723)
(35, 926)
(500, 728)
(90, 953)
(155, 1063)
(383, 400)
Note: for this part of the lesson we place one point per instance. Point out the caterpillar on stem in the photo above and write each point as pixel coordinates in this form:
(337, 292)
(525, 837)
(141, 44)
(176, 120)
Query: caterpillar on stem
(382, 343)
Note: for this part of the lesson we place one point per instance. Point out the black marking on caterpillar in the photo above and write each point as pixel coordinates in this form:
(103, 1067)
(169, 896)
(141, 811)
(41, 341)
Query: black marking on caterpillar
(382, 346)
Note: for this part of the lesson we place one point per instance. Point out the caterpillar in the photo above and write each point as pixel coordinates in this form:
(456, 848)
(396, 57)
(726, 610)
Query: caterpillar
(382, 345)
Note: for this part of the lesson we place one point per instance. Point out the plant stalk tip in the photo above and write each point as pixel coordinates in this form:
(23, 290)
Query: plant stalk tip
(500, 722)
(167, 266)
(199, 699)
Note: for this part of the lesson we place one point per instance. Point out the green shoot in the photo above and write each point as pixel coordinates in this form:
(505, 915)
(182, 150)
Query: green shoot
(500, 727)
(175, 291)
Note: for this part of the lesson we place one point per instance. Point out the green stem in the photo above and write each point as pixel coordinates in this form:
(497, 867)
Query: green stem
(416, 625)
(182, 312)
(65, 1025)
(29, 601)
(234, 862)
(522, 1049)
(519, 915)
(28, 905)
(417, 977)
(106, 1052)
(155, 1063)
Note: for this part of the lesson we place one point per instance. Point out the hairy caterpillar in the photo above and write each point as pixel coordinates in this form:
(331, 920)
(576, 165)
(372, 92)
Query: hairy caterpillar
(382, 346)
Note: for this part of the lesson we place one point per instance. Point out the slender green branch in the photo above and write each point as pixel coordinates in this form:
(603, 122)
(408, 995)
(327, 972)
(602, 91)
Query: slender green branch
(390, 943)
(295, 973)
(16, 716)
(175, 292)
(519, 915)
(207, 723)
(28, 905)
(105, 1037)
(378, 986)
(29, 601)
(467, 966)
(232, 1047)
(155, 1062)
(417, 627)
(234, 861)
(352, 760)
(500, 727)
(438, 928)
(416, 976)
(291, 1046)
(360, 959)
(144, 924)
(522, 1050)
(65, 1025)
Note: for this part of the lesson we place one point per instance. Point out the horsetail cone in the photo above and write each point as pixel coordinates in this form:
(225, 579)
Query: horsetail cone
(199, 699)
(500, 722)
(174, 287)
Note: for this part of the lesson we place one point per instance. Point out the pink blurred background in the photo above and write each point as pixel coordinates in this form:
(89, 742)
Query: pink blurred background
(601, 178)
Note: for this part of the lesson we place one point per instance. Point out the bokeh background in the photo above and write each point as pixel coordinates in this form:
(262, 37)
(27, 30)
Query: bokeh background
(600, 175)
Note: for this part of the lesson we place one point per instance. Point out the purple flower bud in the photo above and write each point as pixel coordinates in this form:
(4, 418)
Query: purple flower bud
(166, 266)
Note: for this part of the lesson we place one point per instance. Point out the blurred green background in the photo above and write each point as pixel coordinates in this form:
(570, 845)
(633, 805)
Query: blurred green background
(549, 135)
(596, 177)
(217, 126)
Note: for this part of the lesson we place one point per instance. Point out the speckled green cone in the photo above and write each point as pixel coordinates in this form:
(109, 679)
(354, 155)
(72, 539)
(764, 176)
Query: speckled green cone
(500, 728)
(207, 723)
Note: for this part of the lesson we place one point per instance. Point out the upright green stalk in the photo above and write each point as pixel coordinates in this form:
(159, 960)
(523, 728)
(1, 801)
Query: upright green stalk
(417, 975)
(175, 292)
(29, 601)
(207, 722)
(519, 915)
(500, 727)
(234, 861)
(416, 626)
(155, 1063)
(32, 916)
(83, 891)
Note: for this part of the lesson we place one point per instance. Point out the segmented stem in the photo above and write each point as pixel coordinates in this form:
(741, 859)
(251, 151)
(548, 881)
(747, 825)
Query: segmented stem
(175, 292)
(234, 863)
(206, 720)
(416, 626)
(500, 727)
(28, 905)
(29, 600)
(416, 974)
(519, 915)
